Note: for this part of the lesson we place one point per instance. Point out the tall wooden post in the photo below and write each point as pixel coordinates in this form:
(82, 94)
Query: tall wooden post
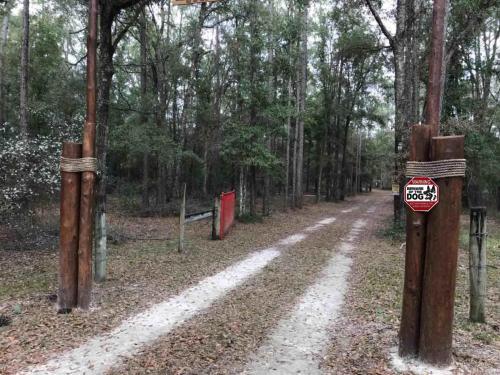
(477, 264)
(415, 254)
(88, 178)
(443, 227)
(436, 60)
(68, 242)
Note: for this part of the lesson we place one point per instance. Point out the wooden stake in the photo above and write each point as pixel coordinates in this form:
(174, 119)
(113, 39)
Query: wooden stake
(443, 227)
(415, 254)
(182, 221)
(68, 242)
(88, 178)
(477, 264)
(216, 220)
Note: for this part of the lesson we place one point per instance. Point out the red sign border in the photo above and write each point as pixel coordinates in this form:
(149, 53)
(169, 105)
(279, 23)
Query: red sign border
(437, 192)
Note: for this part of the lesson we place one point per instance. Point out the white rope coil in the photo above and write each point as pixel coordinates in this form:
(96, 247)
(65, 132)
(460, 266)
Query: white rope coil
(436, 169)
(78, 165)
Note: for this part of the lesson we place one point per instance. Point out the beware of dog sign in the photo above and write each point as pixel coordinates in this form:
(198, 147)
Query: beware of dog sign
(421, 194)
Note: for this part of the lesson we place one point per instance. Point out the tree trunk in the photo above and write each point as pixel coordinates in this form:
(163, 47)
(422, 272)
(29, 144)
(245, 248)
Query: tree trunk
(161, 64)
(182, 221)
(356, 176)
(24, 73)
(253, 190)
(106, 72)
(498, 198)
(320, 145)
(336, 161)
(335, 136)
(219, 93)
(287, 156)
(144, 109)
(243, 192)
(205, 167)
(252, 73)
(3, 44)
(329, 164)
(399, 126)
(343, 176)
(145, 181)
(270, 98)
(302, 90)
(294, 159)
(266, 195)
(308, 166)
(189, 93)
(399, 90)
(161, 186)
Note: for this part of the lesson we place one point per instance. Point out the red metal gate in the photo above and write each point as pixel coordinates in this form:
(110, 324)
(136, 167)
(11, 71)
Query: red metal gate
(227, 206)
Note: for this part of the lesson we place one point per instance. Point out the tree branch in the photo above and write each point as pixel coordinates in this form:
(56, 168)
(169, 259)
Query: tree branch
(380, 23)
(129, 24)
(474, 21)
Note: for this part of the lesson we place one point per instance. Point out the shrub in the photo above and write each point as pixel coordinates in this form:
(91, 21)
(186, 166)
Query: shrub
(29, 169)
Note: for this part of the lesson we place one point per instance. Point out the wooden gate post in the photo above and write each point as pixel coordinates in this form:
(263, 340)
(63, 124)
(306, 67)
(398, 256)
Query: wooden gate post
(477, 263)
(443, 227)
(88, 178)
(415, 254)
(68, 240)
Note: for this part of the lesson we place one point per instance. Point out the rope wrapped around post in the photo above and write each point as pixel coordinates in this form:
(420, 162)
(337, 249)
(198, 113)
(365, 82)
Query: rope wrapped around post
(78, 165)
(436, 169)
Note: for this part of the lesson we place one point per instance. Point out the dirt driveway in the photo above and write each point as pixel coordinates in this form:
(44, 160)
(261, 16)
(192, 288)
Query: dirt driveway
(309, 291)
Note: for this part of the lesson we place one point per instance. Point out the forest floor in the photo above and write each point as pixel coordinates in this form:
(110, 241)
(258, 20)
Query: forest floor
(332, 269)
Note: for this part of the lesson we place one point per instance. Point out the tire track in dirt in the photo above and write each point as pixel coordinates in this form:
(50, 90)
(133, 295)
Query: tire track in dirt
(365, 339)
(140, 276)
(105, 351)
(297, 344)
(220, 340)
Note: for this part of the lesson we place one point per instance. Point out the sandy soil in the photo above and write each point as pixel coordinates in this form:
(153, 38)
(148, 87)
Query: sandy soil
(368, 327)
(141, 274)
(219, 341)
(225, 338)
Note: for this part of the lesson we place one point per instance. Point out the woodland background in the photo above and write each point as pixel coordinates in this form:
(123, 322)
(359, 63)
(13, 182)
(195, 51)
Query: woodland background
(275, 99)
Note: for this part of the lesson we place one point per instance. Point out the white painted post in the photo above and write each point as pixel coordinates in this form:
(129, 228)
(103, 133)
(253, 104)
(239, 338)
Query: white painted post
(100, 248)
